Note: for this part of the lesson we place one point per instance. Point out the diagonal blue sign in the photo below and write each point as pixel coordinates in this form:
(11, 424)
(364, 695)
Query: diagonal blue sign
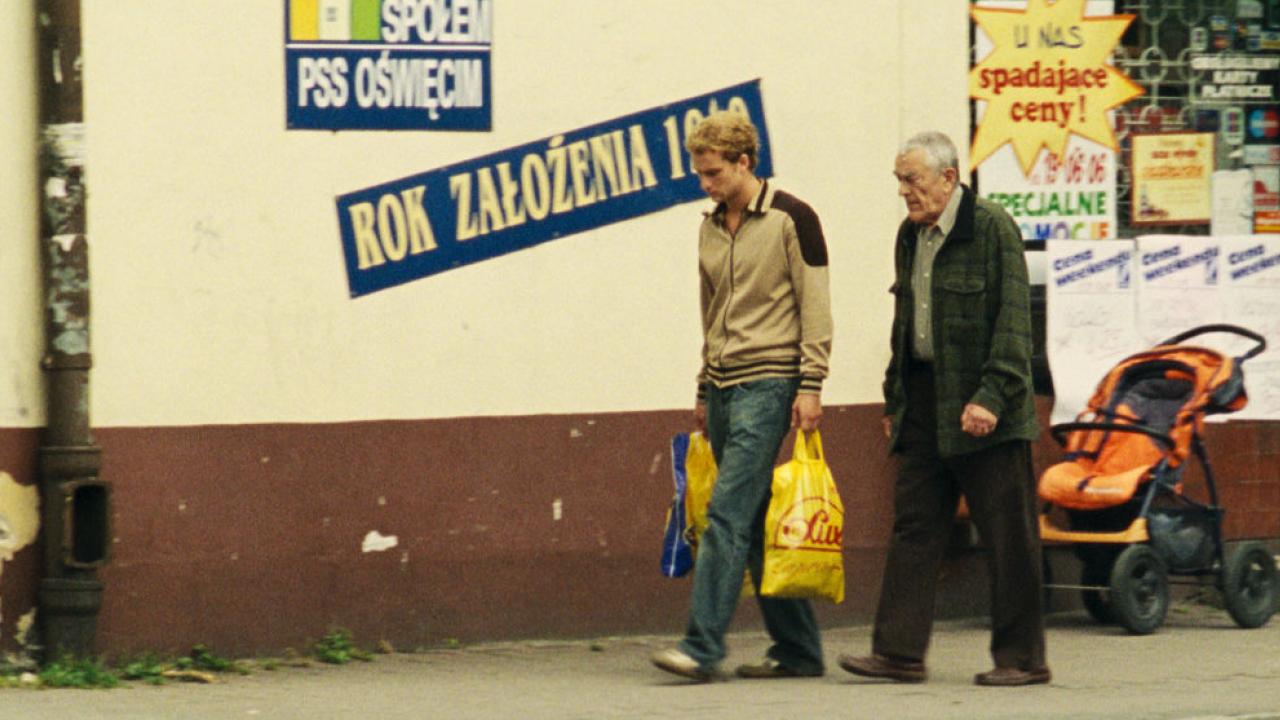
(510, 200)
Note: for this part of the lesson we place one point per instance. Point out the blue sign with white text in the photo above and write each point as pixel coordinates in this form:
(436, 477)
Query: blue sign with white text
(388, 64)
(510, 200)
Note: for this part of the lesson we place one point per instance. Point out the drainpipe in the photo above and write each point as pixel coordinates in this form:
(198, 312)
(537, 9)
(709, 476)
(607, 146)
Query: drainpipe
(74, 501)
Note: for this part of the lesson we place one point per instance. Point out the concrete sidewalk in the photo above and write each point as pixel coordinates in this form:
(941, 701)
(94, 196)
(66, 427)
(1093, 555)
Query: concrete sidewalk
(1200, 665)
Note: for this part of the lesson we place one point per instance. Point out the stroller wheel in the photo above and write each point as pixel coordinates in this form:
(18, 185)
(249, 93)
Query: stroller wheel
(1097, 602)
(1139, 590)
(1250, 585)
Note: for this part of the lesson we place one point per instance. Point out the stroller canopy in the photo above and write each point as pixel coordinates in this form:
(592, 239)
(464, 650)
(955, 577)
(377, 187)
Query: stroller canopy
(1139, 424)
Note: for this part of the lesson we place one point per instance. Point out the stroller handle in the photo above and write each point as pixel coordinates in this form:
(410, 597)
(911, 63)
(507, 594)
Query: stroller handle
(1222, 327)
(1060, 431)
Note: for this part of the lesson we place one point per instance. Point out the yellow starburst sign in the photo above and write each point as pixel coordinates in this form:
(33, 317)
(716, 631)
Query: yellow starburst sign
(1047, 77)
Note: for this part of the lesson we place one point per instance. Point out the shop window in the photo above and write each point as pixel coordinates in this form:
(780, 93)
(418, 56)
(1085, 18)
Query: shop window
(1208, 66)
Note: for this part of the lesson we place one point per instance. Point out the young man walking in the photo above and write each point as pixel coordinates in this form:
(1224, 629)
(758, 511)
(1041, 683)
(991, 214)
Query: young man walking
(766, 320)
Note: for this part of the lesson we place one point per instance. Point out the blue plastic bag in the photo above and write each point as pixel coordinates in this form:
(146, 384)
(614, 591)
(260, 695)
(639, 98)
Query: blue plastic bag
(693, 469)
(677, 552)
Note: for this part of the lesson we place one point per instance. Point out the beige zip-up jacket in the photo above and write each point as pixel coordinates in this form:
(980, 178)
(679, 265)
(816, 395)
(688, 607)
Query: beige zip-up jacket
(766, 306)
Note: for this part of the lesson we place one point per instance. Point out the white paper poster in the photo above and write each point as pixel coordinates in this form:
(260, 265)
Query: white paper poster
(1232, 203)
(1179, 285)
(1109, 299)
(1252, 291)
(1090, 317)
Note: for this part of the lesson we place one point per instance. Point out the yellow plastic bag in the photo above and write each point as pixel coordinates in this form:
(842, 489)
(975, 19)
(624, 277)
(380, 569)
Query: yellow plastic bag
(804, 528)
(700, 480)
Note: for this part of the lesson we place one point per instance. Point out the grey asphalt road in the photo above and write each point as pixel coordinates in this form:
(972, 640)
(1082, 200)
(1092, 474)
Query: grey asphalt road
(1199, 665)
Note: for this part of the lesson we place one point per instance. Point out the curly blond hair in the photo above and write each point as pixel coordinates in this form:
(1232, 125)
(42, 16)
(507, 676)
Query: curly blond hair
(729, 133)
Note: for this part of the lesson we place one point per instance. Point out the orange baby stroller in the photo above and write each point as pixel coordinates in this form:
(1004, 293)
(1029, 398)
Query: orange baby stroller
(1120, 488)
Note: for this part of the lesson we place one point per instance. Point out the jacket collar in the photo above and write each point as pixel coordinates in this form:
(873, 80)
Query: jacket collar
(963, 227)
(951, 210)
(758, 205)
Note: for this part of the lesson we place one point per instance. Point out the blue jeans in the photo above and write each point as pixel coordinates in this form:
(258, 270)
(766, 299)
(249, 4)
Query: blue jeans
(746, 425)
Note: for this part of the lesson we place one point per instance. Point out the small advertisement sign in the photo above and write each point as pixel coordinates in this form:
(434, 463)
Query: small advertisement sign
(1266, 199)
(1261, 155)
(1070, 200)
(388, 64)
(1230, 78)
(1172, 178)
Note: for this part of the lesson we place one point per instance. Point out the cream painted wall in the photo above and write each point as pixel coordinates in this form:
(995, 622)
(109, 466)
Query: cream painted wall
(21, 326)
(219, 294)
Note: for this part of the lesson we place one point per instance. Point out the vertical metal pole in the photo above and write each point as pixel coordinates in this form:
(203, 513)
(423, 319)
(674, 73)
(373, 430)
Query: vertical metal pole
(73, 500)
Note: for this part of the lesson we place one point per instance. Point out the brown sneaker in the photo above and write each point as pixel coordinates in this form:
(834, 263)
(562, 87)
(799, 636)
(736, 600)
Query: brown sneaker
(879, 666)
(1012, 677)
(769, 669)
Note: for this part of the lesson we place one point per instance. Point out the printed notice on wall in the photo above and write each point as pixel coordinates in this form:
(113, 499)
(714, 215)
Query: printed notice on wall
(1232, 203)
(1108, 300)
(1266, 198)
(1179, 279)
(388, 64)
(1172, 178)
(514, 199)
(1091, 320)
(1253, 302)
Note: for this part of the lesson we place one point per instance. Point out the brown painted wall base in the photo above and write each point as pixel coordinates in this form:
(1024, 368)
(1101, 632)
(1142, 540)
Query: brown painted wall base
(249, 538)
(20, 576)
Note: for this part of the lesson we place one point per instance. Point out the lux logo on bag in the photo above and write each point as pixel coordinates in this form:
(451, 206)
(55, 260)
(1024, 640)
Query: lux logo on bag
(814, 523)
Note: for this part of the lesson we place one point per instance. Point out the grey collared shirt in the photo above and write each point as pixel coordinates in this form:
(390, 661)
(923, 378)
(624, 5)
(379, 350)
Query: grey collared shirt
(928, 241)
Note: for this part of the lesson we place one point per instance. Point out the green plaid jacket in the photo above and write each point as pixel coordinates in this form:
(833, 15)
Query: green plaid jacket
(981, 328)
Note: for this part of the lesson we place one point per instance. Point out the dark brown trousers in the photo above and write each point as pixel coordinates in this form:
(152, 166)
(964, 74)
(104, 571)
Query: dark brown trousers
(999, 487)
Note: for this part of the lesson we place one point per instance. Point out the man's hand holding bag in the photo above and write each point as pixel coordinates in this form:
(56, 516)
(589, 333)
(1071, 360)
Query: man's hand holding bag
(804, 528)
(694, 474)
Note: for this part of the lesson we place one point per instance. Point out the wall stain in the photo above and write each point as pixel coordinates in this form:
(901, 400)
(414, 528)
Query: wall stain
(19, 521)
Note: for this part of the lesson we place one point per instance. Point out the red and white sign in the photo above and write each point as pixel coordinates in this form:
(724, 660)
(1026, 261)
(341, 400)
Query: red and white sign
(1266, 199)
